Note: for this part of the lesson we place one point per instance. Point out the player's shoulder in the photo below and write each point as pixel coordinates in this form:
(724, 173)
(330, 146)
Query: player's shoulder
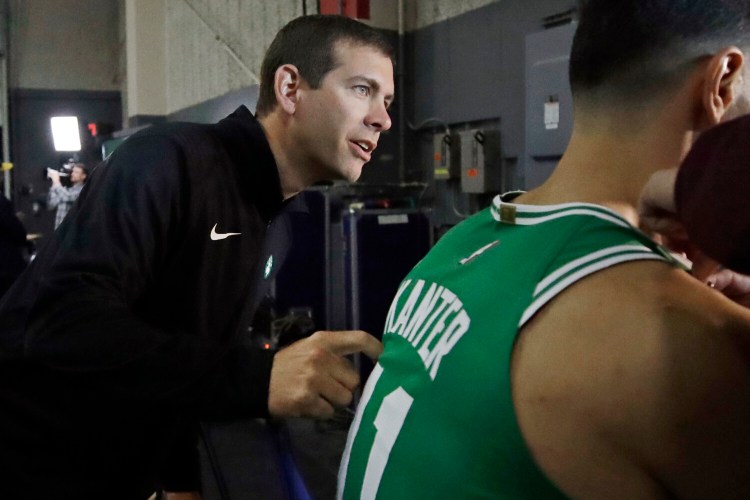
(648, 364)
(649, 303)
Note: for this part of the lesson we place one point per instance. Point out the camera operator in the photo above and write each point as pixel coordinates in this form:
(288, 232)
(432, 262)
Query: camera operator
(63, 197)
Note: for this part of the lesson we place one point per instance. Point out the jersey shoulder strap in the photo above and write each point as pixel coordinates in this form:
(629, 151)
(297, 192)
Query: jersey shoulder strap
(588, 238)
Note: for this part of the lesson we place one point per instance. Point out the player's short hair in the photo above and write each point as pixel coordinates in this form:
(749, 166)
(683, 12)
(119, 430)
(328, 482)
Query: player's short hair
(627, 49)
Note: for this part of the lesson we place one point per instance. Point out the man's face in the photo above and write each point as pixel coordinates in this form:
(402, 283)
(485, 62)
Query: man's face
(77, 175)
(340, 122)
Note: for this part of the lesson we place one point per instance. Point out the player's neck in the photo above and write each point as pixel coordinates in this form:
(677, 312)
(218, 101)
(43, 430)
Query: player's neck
(610, 169)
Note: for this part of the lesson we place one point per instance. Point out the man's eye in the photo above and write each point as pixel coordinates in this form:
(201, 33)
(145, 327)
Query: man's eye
(363, 90)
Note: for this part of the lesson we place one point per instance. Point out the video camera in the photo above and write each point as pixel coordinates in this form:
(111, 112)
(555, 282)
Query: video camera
(63, 169)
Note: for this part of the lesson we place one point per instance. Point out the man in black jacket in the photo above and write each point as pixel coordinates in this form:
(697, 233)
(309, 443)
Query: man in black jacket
(129, 326)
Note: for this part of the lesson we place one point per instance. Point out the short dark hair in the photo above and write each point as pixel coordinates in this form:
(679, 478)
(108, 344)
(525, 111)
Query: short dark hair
(83, 168)
(626, 48)
(308, 43)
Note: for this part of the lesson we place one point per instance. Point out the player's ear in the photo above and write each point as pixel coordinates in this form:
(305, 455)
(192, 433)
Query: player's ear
(721, 75)
(286, 85)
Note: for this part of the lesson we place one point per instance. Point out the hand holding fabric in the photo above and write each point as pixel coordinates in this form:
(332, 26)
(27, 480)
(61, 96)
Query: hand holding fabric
(312, 377)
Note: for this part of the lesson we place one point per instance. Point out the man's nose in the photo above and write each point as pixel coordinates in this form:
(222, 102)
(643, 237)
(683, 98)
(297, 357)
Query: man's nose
(379, 118)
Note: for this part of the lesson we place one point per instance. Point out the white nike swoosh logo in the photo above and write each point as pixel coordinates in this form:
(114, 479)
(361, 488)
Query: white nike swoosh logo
(478, 252)
(220, 236)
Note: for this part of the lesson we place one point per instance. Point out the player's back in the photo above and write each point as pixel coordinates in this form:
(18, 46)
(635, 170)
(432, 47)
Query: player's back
(437, 418)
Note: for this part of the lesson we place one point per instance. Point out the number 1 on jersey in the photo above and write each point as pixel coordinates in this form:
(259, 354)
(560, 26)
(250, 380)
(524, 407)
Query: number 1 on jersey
(388, 422)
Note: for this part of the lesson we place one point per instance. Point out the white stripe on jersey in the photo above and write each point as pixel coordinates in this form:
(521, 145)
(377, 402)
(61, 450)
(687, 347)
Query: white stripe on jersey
(596, 266)
(529, 221)
(497, 203)
(584, 260)
(372, 380)
(526, 212)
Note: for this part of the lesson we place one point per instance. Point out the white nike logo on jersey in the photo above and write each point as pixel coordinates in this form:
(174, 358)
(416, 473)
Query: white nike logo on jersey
(220, 236)
(478, 252)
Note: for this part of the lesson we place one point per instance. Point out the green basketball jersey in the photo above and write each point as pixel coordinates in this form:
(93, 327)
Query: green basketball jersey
(436, 418)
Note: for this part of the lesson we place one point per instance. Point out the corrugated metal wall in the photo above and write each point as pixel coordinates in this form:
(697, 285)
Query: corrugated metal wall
(79, 44)
(200, 66)
(426, 12)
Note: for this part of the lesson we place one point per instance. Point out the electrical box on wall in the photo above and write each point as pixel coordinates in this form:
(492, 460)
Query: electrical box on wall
(444, 164)
(480, 160)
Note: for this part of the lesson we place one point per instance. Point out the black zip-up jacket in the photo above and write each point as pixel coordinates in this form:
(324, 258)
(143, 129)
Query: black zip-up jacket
(129, 324)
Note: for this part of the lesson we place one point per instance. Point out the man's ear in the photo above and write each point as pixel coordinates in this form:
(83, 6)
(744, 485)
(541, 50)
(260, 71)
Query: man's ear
(723, 72)
(286, 85)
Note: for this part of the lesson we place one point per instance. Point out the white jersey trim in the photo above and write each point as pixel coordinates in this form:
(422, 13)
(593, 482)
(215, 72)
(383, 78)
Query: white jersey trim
(586, 259)
(530, 221)
(581, 273)
(526, 215)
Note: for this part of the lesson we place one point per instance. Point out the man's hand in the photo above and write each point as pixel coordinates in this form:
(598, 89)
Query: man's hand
(54, 176)
(311, 377)
(734, 285)
(658, 218)
(656, 206)
(658, 215)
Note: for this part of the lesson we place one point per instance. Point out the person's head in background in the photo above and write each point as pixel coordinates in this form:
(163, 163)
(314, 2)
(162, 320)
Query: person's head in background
(631, 59)
(711, 194)
(326, 85)
(78, 173)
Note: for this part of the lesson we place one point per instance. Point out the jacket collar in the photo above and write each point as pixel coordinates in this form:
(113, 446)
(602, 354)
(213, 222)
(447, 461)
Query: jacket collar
(248, 146)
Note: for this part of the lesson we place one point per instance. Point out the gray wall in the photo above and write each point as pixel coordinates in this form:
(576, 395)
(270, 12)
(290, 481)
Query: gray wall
(425, 12)
(65, 44)
(200, 67)
(66, 57)
(469, 71)
(464, 64)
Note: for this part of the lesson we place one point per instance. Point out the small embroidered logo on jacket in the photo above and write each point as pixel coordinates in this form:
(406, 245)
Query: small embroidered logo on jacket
(220, 236)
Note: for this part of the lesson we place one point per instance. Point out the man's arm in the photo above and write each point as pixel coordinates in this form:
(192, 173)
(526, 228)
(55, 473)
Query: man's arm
(57, 192)
(311, 376)
(127, 225)
(658, 215)
(83, 321)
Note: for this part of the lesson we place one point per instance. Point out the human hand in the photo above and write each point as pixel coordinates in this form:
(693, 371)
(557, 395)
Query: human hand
(658, 218)
(734, 285)
(311, 377)
(656, 206)
(54, 176)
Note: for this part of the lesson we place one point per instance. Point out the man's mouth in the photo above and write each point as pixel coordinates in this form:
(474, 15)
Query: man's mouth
(364, 148)
(365, 145)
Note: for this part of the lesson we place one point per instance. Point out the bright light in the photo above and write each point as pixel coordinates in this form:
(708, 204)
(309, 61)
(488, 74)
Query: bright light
(65, 133)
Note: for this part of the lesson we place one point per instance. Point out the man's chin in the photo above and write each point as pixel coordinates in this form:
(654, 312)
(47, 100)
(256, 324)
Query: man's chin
(352, 174)
(342, 172)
